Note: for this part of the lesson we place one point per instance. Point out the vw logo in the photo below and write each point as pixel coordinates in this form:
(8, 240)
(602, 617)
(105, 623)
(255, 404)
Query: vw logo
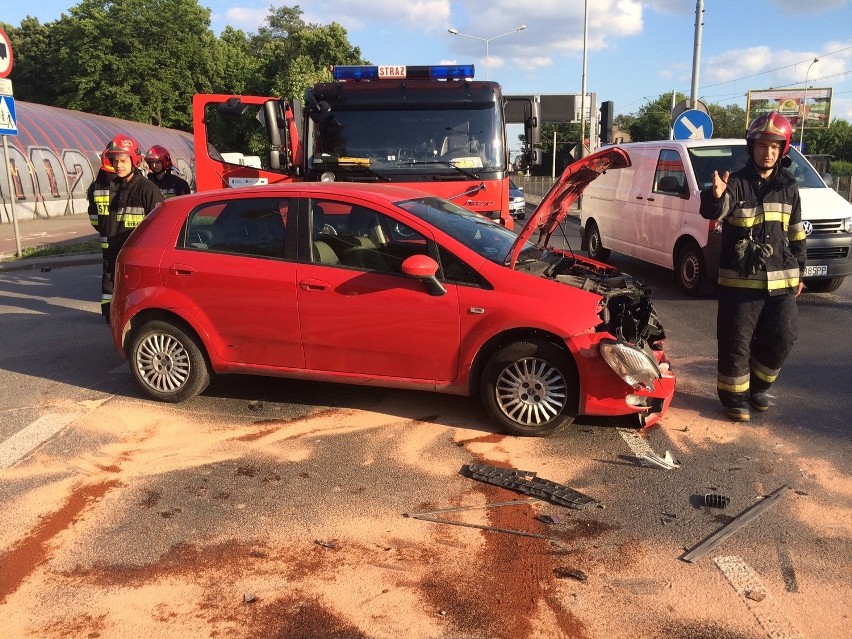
(809, 228)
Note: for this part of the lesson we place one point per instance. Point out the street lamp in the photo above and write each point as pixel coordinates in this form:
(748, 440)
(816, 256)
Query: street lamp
(486, 40)
(805, 108)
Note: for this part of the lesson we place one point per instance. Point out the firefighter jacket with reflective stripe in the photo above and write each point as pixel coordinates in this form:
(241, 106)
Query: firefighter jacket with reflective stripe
(170, 185)
(131, 202)
(768, 212)
(99, 194)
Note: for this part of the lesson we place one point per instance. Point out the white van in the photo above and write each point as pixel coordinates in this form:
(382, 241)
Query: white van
(649, 211)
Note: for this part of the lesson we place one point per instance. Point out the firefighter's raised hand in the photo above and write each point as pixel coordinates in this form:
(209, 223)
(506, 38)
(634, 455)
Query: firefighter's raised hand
(720, 183)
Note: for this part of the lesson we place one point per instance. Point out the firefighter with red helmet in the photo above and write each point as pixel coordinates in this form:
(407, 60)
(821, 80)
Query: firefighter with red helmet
(761, 261)
(160, 165)
(132, 198)
(99, 194)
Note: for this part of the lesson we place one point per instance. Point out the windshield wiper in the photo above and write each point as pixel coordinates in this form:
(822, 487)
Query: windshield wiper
(475, 176)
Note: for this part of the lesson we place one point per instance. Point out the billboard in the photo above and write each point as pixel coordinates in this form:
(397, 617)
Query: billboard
(810, 108)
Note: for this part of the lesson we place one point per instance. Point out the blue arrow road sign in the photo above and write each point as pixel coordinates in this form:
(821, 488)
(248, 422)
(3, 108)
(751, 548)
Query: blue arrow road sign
(693, 125)
(8, 124)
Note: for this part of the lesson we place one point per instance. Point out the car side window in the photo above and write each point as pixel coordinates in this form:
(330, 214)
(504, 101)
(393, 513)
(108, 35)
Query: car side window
(669, 177)
(458, 272)
(359, 237)
(253, 226)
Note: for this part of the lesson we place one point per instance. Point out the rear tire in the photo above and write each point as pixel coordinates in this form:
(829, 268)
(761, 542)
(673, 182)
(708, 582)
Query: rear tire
(691, 272)
(594, 243)
(167, 362)
(530, 388)
(824, 286)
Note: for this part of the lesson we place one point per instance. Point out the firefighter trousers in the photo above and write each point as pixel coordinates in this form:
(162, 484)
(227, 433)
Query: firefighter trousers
(755, 333)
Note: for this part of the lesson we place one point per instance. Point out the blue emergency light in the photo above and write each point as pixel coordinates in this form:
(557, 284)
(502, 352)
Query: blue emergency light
(401, 72)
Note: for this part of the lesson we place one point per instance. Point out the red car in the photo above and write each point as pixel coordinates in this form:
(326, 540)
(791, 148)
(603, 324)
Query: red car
(379, 285)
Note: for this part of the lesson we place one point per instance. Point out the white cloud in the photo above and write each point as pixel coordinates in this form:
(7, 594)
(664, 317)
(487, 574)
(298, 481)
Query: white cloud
(245, 18)
(762, 67)
(810, 7)
(428, 15)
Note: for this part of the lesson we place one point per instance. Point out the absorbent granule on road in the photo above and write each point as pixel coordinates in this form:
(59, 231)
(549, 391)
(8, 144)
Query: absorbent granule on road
(758, 599)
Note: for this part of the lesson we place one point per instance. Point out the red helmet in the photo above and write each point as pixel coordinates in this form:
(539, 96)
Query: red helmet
(159, 153)
(124, 144)
(105, 163)
(772, 126)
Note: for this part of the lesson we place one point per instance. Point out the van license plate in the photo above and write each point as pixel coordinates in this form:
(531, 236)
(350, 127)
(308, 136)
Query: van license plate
(815, 271)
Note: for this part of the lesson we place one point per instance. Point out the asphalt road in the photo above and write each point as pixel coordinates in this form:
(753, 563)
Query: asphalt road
(275, 508)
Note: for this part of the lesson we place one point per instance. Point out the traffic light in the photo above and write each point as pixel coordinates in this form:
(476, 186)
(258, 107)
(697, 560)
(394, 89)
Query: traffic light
(607, 111)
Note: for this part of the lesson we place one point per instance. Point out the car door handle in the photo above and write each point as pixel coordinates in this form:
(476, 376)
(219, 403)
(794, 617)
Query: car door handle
(181, 269)
(314, 285)
(638, 197)
(650, 199)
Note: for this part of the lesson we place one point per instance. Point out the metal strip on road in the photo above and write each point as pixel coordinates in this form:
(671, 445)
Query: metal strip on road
(28, 439)
(758, 599)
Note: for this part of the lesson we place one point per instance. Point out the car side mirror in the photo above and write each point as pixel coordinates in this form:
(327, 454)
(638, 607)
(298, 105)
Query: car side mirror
(424, 268)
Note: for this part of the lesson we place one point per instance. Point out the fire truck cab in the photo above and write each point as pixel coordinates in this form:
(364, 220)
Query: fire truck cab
(430, 127)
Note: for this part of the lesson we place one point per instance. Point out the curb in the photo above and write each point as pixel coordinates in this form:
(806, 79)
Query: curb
(47, 263)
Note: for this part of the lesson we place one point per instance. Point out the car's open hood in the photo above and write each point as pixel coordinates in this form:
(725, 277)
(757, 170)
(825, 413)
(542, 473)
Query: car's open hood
(554, 206)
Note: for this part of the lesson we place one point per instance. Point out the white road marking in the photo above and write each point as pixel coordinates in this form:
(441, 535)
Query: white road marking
(28, 439)
(748, 584)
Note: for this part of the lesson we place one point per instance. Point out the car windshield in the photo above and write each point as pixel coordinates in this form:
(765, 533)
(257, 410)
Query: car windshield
(487, 238)
(731, 157)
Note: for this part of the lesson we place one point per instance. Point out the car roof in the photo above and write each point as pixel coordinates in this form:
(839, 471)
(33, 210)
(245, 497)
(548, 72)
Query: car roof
(386, 192)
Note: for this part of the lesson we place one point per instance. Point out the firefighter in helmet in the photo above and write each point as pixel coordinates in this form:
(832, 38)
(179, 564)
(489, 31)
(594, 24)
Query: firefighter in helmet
(132, 198)
(99, 193)
(160, 167)
(761, 261)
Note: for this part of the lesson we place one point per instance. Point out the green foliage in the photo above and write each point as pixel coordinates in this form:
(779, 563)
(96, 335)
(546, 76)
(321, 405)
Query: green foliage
(841, 167)
(728, 121)
(651, 122)
(144, 61)
(835, 140)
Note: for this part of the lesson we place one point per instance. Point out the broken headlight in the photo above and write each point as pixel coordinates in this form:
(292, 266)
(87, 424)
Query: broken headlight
(632, 364)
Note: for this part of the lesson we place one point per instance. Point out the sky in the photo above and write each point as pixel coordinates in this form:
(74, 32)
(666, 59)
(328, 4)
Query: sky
(634, 51)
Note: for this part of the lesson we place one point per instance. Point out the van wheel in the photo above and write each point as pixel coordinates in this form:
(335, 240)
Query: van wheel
(594, 243)
(690, 271)
(530, 388)
(824, 286)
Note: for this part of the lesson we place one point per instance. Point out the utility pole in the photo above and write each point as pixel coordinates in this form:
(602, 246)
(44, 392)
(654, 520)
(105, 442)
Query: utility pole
(583, 98)
(696, 53)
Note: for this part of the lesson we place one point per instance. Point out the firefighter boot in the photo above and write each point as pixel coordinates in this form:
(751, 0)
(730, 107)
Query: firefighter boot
(758, 398)
(738, 413)
(736, 405)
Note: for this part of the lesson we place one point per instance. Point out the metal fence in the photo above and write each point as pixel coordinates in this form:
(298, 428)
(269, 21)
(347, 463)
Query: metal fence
(538, 185)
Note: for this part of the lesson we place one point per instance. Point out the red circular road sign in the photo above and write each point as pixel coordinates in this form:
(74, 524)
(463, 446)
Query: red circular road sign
(6, 58)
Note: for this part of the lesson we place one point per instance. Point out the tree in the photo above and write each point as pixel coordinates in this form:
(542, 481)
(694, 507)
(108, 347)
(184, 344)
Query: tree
(728, 121)
(652, 121)
(296, 55)
(835, 140)
(35, 60)
(137, 60)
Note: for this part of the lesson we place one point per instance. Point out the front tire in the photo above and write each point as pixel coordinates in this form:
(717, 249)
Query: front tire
(691, 271)
(530, 388)
(167, 362)
(824, 286)
(594, 243)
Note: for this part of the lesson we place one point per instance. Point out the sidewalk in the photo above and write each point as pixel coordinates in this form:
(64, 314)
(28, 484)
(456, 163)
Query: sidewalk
(66, 229)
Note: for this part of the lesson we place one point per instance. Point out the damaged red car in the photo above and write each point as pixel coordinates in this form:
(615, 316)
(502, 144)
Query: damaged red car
(380, 285)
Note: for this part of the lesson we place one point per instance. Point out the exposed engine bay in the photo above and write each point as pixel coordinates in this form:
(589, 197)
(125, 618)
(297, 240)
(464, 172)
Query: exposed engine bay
(626, 311)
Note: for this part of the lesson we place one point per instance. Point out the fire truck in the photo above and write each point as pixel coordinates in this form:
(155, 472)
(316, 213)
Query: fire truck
(429, 127)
